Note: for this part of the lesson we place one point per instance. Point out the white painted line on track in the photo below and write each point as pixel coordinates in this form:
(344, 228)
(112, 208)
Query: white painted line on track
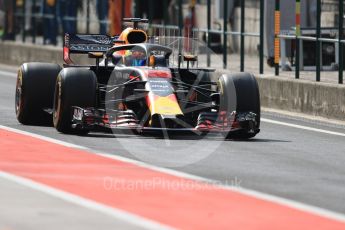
(302, 127)
(7, 73)
(52, 140)
(12, 74)
(252, 193)
(89, 204)
(293, 204)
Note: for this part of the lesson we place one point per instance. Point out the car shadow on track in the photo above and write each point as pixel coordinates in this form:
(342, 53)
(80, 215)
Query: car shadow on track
(137, 136)
(182, 137)
(259, 140)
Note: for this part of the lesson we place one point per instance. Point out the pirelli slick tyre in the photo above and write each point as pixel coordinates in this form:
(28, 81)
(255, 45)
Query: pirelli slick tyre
(74, 87)
(35, 92)
(240, 92)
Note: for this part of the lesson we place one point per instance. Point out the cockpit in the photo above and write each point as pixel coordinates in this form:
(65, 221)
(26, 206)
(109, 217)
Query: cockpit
(143, 54)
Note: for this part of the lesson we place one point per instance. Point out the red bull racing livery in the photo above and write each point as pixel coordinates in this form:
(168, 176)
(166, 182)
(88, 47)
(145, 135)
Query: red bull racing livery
(133, 86)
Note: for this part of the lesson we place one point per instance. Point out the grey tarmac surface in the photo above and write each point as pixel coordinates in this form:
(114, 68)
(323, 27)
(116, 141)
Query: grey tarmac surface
(25, 208)
(301, 165)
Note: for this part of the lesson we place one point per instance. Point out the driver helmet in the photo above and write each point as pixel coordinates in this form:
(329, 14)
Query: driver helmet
(136, 57)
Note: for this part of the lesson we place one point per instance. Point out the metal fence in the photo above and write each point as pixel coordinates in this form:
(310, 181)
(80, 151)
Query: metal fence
(38, 17)
(318, 39)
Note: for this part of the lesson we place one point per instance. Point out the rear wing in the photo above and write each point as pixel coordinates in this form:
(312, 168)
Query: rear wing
(86, 43)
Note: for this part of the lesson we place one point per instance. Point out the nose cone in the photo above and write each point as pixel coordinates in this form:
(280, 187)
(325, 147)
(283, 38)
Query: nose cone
(167, 106)
(165, 111)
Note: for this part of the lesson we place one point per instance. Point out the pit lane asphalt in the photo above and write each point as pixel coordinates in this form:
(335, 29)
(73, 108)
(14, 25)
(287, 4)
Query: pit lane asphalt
(301, 165)
(26, 208)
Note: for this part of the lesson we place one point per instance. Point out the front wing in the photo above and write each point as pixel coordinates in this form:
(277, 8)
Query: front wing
(107, 121)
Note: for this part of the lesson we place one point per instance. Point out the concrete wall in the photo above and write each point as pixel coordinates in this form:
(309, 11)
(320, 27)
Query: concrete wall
(14, 53)
(300, 96)
(252, 21)
(319, 99)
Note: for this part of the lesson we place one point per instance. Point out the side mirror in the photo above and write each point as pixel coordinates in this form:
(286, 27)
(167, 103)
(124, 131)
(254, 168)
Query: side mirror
(117, 59)
(97, 56)
(152, 61)
(189, 58)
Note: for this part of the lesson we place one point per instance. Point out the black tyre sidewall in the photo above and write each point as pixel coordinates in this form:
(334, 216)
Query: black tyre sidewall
(74, 87)
(248, 95)
(228, 95)
(37, 81)
(240, 92)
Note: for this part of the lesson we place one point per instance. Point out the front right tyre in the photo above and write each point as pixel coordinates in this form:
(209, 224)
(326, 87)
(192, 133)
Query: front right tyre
(239, 92)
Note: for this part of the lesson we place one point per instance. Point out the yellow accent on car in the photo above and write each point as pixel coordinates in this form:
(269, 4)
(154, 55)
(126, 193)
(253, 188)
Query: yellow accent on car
(131, 36)
(20, 76)
(165, 106)
(96, 55)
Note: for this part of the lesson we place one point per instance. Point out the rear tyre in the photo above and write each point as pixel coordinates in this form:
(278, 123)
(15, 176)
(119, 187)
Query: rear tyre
(74, 87)
(240, 92)
(35, 92)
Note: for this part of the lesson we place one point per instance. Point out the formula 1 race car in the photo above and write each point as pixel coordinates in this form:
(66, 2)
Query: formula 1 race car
(132, 86)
